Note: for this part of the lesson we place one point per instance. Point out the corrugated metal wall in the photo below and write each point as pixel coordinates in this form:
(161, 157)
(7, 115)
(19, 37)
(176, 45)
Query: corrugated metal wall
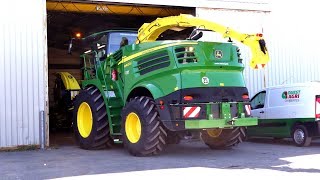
(22, 73)
(235, 4)
(293, 54)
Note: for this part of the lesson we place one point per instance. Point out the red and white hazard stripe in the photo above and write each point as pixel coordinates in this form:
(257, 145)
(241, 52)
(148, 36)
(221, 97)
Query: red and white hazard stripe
(248, 109)
(191, 112)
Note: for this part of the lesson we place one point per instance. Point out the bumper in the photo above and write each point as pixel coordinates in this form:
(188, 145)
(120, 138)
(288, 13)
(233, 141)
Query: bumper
(220, 123)
(212, 107)
(211, 115)
(180, 125)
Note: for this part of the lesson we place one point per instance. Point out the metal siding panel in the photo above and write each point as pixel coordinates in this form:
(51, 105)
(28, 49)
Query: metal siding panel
(13, 88)
(18, 85)
(22, 60)
(2, 82)
(24, 81)
(7, 92)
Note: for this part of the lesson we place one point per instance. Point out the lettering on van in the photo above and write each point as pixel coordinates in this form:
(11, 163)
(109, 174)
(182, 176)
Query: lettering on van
(291, 96)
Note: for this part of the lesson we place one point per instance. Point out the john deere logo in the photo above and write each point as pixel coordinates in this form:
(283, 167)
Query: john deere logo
(218, 54)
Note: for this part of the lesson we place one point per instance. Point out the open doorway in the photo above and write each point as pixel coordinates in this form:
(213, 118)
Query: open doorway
(65, 24)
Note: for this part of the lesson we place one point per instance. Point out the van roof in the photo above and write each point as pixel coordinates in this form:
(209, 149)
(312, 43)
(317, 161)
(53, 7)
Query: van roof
(305, 84)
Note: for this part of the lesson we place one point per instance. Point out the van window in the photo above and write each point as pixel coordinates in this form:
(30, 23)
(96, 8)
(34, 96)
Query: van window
(258, 100)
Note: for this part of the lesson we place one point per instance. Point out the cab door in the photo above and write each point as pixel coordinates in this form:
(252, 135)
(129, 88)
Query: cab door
(258, 105)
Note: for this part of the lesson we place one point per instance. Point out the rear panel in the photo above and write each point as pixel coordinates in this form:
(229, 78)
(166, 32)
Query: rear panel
(207, 72)
(182, 65)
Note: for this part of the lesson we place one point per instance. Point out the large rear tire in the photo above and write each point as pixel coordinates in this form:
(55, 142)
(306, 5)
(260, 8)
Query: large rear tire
(223, 138)
(142, 131)
(91, 126)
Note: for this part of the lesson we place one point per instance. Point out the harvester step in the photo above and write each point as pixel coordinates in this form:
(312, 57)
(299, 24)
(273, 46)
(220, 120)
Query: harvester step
(117, 134)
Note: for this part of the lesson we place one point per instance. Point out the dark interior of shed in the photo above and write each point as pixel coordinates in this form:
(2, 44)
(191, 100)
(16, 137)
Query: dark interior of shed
(61, 27)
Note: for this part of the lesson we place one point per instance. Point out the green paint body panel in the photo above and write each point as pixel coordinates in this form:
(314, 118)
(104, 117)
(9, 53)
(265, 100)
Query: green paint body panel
(219, 123)
(163, 67)
(225, 122)
(280, 128)
(226, 71)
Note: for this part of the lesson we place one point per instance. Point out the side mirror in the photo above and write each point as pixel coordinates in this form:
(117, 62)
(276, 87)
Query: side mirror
(70, 46)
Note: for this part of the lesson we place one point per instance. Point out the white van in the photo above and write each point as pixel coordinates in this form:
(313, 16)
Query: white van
(287, 111)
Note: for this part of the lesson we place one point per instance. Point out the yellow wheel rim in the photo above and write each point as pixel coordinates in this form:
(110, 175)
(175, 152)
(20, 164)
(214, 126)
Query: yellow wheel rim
(84, 120)
(214, 132)
(133, 127)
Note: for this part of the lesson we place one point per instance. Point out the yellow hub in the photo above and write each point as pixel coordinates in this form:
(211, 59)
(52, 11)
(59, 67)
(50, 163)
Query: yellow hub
(133, 127)
(84, 120)
(214, 132)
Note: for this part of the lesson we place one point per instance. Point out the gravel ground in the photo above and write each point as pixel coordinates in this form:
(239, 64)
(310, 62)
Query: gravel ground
(258, 158)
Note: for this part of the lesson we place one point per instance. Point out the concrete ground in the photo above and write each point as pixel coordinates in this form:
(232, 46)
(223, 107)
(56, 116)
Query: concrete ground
(257, 159)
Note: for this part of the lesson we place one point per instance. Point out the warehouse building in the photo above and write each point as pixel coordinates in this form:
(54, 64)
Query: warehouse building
(35, 38)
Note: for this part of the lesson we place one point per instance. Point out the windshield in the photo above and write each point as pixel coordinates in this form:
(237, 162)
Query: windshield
(117, 38)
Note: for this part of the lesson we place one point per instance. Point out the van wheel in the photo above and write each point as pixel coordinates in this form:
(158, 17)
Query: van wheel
(300, 136)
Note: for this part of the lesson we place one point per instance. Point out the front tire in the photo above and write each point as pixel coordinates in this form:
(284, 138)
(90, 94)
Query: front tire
(301, 136)
(142, 131)
(223, 138)
(91, 126)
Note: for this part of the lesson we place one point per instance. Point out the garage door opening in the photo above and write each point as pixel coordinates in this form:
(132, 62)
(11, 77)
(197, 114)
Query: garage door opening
(67, 20)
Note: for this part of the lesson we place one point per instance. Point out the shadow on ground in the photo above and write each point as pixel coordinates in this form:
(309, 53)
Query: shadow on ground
(64, 161)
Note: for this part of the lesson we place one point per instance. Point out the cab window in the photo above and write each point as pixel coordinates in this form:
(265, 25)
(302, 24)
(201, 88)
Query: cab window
(116, 40)
(258, 100)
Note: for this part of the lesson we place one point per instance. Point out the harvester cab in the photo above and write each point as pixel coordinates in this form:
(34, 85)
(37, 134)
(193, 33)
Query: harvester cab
(110, 41)
(146, 94)
(97, 46)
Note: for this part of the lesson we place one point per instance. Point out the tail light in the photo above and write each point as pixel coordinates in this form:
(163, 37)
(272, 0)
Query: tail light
(161, 104)
(114, 75)
(188, 98)
(245, 97)
(317, 107)
(259, 34)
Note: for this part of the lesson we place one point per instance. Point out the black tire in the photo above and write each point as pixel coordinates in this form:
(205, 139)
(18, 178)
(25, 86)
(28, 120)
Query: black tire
(226, 139)
(173, 138)
(300, 136)
(99, 136)
(153, 135)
